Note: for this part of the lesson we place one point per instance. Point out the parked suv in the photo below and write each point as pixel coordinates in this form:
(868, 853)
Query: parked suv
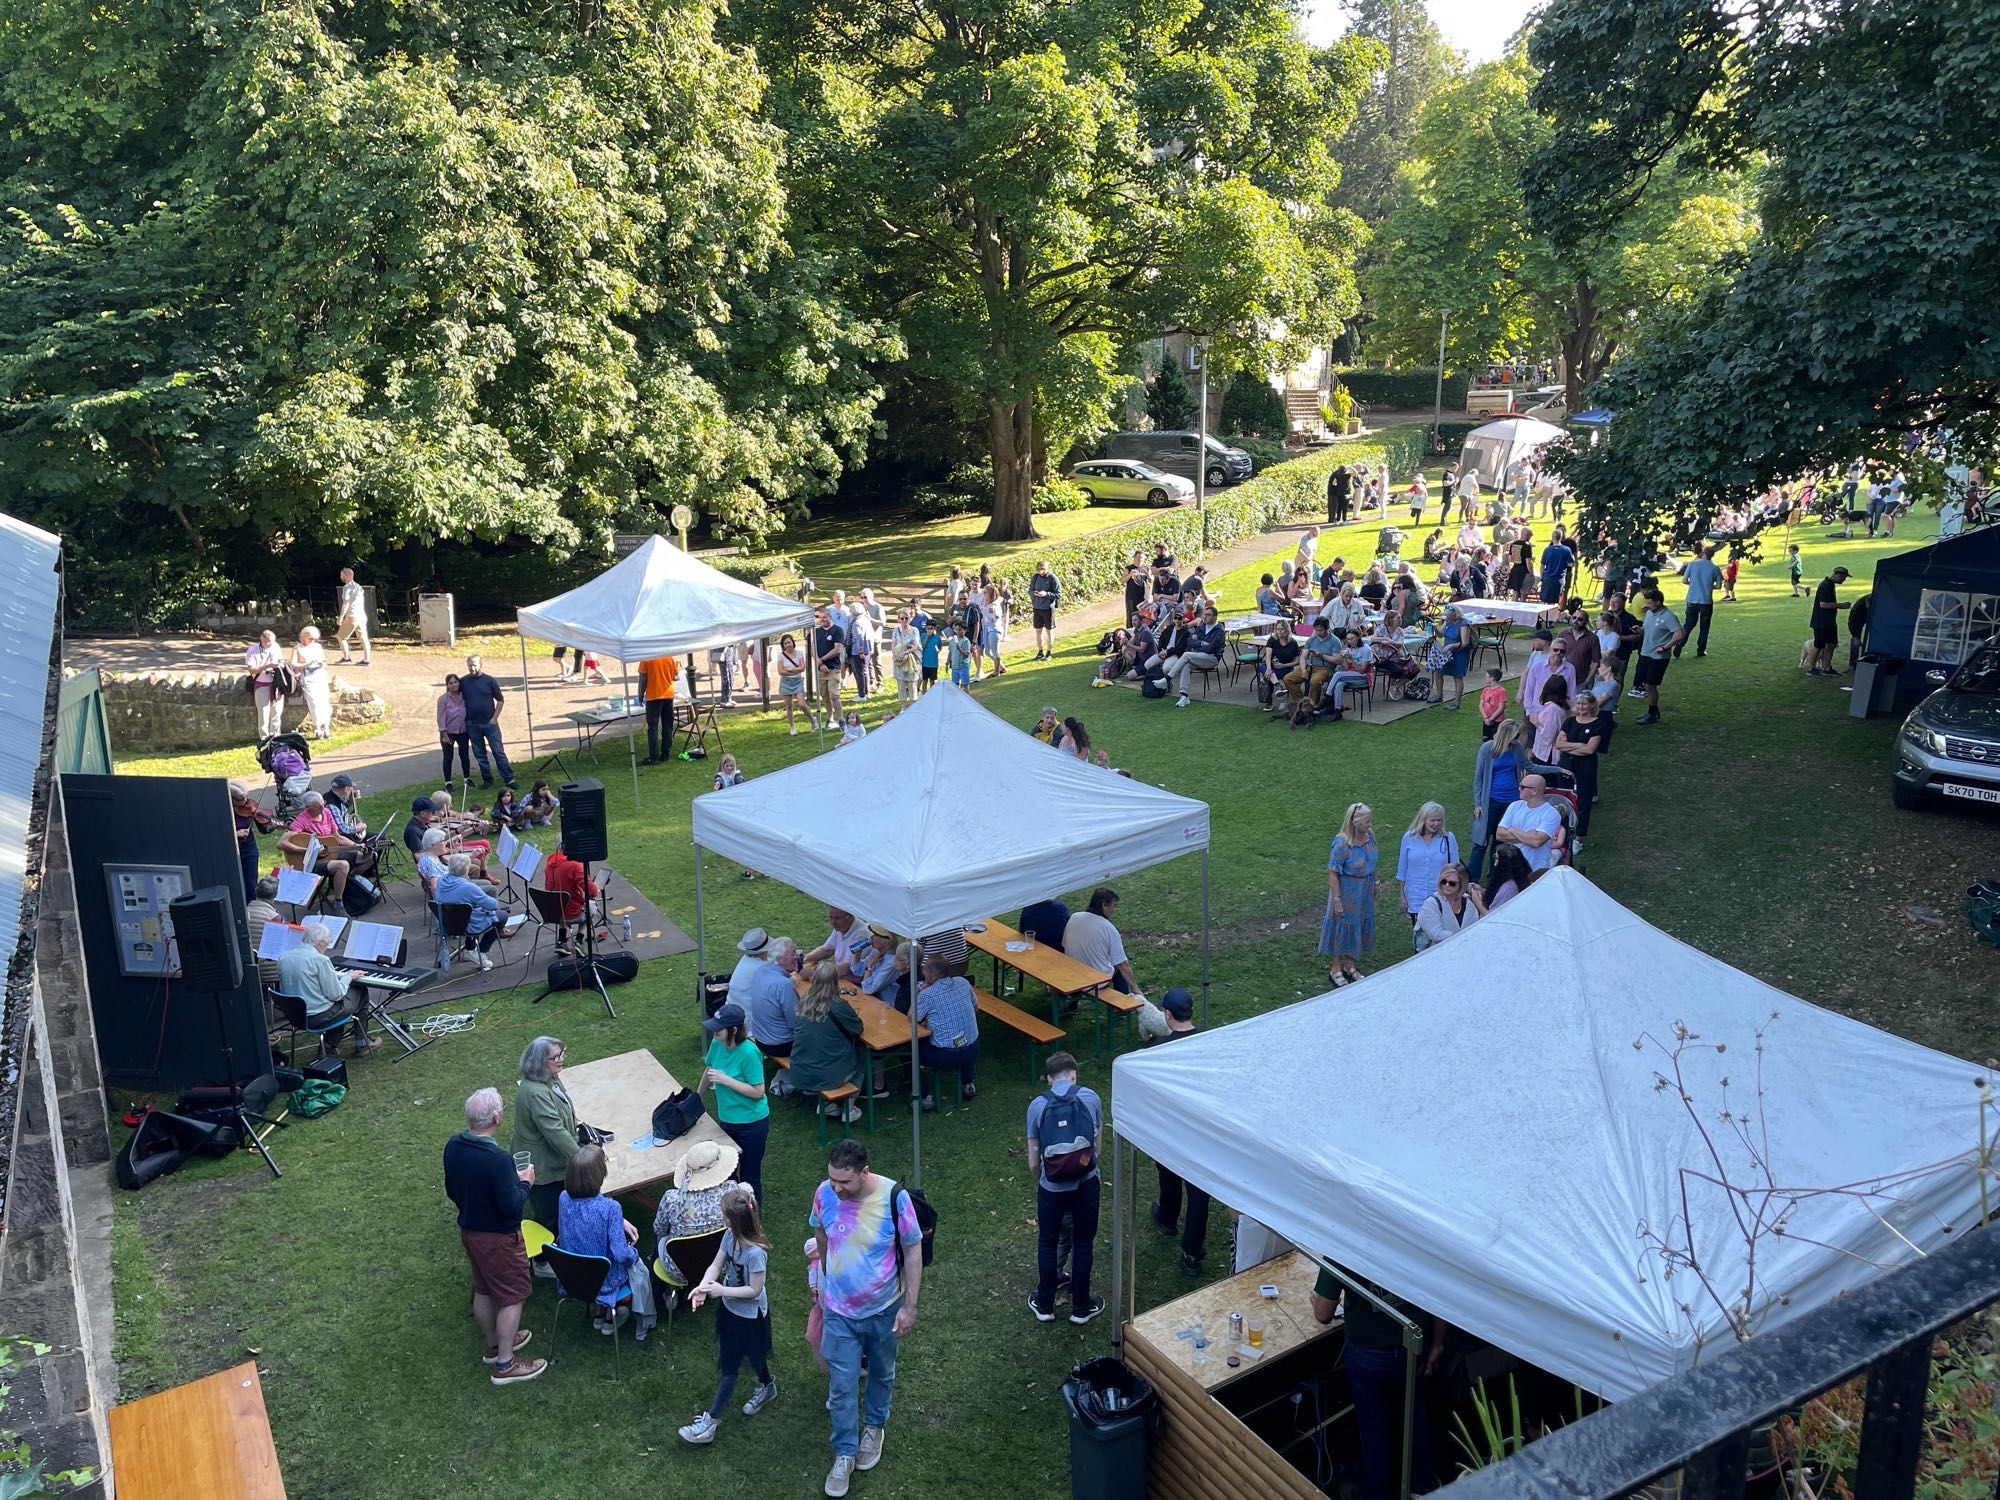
(1950, 743)
(1175, 453)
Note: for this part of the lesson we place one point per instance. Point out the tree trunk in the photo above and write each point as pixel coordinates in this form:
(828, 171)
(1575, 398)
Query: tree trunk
(1010, 432)
(1579, 345)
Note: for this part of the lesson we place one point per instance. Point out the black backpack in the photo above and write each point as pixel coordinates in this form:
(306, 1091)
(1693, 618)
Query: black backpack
(926, 1216)
(361, 896)
(677, 1114)
(1153, 687)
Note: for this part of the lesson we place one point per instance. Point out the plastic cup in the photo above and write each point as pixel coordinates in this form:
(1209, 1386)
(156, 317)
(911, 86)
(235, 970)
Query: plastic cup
(1256, 1333)
(522, 1161)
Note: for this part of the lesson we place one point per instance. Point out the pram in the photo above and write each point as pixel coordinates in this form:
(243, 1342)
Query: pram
(288, 757)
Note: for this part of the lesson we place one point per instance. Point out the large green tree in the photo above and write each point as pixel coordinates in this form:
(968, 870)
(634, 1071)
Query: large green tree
(378, 274)
(1038, 187)
(1412, 64)
(1866, 317)
(1462, 238)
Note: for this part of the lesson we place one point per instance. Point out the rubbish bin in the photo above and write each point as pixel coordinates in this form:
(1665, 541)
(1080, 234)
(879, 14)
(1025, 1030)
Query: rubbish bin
(1874, 685)
(1112, 1415)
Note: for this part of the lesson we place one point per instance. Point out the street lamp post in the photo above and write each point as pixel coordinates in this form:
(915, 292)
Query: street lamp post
(1198, 352)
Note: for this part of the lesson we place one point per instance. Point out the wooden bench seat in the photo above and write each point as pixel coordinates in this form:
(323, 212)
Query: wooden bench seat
(839, 1094)
(207, 1440)
(1034, 1028)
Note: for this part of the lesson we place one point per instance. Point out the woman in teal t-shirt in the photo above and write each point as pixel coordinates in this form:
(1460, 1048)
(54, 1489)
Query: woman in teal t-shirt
(736, 1069)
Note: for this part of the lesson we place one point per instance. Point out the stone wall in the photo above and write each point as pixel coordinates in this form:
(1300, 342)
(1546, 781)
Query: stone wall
(150, 711)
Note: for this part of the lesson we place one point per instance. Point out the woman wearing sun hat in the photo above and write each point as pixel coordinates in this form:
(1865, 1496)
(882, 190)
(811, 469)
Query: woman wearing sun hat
(693, 1205)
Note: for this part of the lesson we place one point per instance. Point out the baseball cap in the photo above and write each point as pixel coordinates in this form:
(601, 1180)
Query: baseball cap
(342, 780)
(422, 805)
(1178, 1003)
(728, 1016)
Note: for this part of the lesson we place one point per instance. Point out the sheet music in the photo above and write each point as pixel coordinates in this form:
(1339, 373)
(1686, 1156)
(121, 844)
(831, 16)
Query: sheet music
(310, 859)
(277, 938)
(526, 862)
(373, 942)
(334, 926)
(508, 845)
(296, 887)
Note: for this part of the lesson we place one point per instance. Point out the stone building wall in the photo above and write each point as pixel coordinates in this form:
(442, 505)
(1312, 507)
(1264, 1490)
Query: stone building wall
(154, 711)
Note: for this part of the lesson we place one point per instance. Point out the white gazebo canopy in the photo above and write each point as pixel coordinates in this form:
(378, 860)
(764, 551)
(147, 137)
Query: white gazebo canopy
(1494, 449)
(1476, 1131)
(659, 601)
(957, 815)
(961, 814)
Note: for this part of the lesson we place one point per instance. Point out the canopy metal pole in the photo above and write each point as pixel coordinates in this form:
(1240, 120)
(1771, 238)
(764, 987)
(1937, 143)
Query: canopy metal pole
(700, 922)
(916, 1078)
(527, 694)
(1120, 1283)
(763, 670)
(631, 750)
(1204, 934)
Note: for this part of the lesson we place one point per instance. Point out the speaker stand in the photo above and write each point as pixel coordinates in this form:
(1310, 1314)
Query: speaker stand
(242, 1116)
(586, 963)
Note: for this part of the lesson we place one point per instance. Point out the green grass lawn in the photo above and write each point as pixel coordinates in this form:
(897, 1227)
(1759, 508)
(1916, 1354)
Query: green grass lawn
(236, 761)
(1755, 823)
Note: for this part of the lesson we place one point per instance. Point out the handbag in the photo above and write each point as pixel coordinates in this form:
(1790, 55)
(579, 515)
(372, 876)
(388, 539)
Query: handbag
(677, 1114)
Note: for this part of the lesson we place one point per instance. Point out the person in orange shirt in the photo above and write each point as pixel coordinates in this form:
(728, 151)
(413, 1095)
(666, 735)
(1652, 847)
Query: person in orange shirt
(658, 676)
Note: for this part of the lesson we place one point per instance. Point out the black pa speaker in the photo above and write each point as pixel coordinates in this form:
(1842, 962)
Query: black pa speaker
(574, 973)
(583, 833)
(207, 936)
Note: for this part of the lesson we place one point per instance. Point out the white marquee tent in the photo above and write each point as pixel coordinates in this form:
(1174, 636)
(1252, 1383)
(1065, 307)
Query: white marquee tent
(944, 816)
(1494, 449)
(659, 601)
(1474, 1130)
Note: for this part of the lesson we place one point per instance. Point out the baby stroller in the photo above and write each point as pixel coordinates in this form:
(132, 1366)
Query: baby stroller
(288, 757)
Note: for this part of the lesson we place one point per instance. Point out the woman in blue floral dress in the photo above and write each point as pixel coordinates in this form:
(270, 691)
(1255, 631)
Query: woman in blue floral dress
(1348, 929)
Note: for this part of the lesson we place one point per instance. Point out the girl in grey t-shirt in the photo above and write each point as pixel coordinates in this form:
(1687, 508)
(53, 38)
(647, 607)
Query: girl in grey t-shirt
(743, 1323)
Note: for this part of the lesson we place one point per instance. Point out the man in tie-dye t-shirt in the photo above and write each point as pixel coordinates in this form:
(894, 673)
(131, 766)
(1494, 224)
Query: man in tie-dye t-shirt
(871, 1268)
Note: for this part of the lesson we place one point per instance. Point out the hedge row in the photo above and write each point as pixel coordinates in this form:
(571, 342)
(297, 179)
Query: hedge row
(1409, 445)
(1403, 390)
(1095, 565)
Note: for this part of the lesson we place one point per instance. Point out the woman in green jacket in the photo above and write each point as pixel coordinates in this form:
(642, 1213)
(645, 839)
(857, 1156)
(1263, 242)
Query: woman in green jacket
(826, 1038)
(544, 1124)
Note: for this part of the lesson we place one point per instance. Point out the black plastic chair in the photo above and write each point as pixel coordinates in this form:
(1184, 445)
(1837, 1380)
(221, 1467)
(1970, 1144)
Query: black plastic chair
(292, 1009)
(450, 921)
(579, 1278)
(546, 908)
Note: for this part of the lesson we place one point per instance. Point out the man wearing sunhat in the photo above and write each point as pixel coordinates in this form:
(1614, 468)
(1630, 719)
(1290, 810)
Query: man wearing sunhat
(754, 950)
(1179, 1006)
(885, 968)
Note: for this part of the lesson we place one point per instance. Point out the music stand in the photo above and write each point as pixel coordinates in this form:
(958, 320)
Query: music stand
(586, 964)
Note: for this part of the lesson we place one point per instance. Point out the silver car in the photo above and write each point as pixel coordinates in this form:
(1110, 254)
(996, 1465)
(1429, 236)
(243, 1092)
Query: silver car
(1950, 743)
(1126, 479)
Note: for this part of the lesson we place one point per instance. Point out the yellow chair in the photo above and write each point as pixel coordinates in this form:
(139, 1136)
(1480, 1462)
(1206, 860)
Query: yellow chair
(535, 1237)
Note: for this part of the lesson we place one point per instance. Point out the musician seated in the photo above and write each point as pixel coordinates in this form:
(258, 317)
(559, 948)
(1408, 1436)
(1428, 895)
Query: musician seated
(339, 856)
(343, 804)
(567, 878)
(306, 973)
(423, 817)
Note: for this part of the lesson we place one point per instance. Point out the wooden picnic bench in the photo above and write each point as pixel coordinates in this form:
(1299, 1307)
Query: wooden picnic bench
(207, 1440)
(1034, 1028)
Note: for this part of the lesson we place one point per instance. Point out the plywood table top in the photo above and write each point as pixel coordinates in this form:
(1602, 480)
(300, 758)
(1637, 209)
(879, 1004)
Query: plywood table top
(1060, 972)
(1288, 1322)
(618, 1094)
(207, 1440)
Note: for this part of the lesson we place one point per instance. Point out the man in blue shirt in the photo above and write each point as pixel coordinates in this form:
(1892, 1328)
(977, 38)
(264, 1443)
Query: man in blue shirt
(1661, 633)
(774, 999)
(483, 702)
(1044, 594)
(1558, 562)
(1317, 659)
(1065, 1125)
(877, 968)
(1702, 576)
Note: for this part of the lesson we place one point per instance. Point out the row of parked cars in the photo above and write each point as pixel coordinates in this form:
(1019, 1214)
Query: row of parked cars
(1158, 468)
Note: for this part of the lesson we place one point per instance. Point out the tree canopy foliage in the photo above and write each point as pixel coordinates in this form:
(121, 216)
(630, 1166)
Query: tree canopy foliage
(1865, 318)
(282, 274)
(1038, 188)
(1463, 238)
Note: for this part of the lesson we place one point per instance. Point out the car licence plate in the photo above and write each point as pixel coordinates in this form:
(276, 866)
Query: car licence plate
(1972, 793)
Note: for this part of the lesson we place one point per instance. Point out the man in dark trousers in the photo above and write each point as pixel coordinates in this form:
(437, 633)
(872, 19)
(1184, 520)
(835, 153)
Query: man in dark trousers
(483, 701)
(1065, 1128)
(1339, 495)
(1179, 1006)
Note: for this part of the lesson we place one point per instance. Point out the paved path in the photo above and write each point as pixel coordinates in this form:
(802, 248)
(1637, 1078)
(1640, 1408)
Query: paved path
(409, 678)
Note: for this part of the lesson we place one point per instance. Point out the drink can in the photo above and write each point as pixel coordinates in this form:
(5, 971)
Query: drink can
(1236, 1328)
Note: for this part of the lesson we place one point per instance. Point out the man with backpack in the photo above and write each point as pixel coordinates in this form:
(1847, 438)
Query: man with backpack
(1064, 1125)
(1044, 595)
(871, 1266)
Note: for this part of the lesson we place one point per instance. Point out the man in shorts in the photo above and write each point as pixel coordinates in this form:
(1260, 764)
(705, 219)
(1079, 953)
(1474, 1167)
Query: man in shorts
(829, 648)
(1826, 608)
(1659, 633)
(482, 1180)
(1044, 594)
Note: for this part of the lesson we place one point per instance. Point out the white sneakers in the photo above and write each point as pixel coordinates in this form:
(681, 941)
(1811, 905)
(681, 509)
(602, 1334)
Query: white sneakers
(701, 1429)
(483, 961)
(1182, 701)
(839, 1474)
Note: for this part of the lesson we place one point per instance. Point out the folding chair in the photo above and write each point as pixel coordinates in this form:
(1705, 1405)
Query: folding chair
(579, 1278)
(292, 1008)
(546, 910)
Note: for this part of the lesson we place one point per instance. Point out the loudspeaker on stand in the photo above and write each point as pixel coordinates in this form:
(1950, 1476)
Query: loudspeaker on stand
(584, 835)
(205, 936)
